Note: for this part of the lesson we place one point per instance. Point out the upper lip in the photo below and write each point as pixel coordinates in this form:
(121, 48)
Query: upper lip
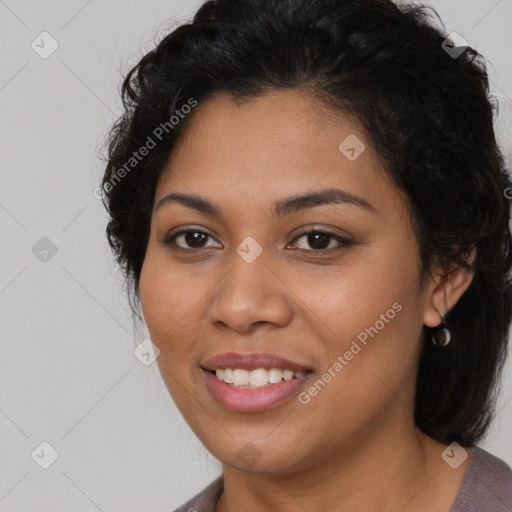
(252, 362)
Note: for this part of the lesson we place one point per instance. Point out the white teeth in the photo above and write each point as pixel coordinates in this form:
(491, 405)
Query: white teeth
(258, 378)
(228, 376)
(240, 377)
(275, 375)
(287, 375)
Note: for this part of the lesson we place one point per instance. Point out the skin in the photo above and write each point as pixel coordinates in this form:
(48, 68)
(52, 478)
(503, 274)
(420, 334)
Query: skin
(354, 446)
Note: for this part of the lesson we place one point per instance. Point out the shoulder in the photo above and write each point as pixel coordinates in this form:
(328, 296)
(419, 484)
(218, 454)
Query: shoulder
(487, 484)
(206, 500)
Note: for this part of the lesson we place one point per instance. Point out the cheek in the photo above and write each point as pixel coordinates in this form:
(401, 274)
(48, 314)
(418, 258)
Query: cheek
(370, 324)
(354, 296)
(154, 302)
(165, 294)
(172, 302)
(163, 304)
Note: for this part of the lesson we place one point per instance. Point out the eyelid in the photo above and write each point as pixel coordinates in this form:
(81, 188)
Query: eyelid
(322, 229)
(168, 239)
(343, 241)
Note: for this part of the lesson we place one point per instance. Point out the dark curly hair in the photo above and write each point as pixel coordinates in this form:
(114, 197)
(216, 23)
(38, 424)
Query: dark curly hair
(427, 113)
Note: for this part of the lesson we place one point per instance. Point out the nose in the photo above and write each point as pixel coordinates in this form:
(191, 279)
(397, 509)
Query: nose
(251, 293)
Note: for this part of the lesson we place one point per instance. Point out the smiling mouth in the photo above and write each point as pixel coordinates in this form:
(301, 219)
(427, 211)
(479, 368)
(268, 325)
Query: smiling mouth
(247, 398)
(241, 378)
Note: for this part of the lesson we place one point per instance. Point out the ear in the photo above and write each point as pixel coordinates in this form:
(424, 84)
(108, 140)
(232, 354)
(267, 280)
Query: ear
(454, 283)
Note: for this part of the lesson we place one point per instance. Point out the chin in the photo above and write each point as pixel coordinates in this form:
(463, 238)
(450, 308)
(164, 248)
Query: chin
(248, 454)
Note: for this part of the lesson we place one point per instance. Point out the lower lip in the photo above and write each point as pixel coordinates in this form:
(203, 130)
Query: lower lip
(253, 400)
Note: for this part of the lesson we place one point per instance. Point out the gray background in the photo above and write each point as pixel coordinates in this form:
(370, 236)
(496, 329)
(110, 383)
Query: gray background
(68, 375)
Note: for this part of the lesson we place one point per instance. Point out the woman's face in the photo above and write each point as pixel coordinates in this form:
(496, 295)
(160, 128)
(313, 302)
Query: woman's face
(246, 280)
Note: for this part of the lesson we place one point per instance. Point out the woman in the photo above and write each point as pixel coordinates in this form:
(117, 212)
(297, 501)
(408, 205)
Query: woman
(310, 208)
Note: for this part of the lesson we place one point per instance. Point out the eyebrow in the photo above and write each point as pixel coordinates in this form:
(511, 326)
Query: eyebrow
(281, 208)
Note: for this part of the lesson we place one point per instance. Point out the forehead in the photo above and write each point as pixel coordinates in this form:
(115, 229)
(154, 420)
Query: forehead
(272, 124)
(270, 146)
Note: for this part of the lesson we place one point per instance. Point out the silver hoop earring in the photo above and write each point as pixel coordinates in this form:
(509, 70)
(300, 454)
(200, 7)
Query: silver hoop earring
(442, 336)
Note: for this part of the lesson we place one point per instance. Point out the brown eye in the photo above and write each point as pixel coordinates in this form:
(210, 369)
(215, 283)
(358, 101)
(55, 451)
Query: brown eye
(189, 239)
(320, 240)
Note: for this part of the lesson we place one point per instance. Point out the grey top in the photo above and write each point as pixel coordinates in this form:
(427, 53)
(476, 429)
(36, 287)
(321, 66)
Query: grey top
(486, 487)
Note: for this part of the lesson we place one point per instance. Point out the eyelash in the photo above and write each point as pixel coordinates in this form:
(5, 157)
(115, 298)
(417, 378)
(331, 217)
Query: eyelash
(344, 242)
